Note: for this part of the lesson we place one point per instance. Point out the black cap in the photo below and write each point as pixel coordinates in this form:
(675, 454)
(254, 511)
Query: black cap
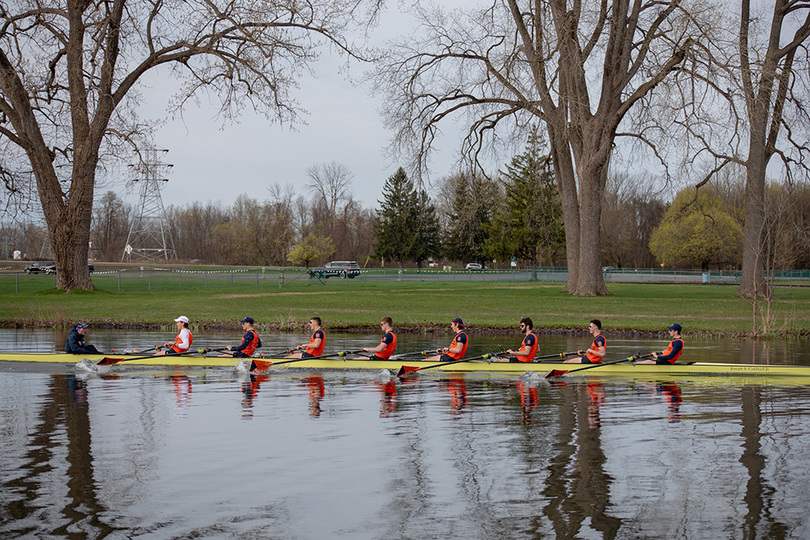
(247, 320)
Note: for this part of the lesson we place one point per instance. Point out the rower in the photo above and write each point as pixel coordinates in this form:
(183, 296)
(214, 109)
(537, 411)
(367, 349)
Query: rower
(528, 348)
(316, 342)
(250, 342)
(75, 343)
(182, 342)
(672, 352)
(595, 353)
(457, 347)
(388, 343)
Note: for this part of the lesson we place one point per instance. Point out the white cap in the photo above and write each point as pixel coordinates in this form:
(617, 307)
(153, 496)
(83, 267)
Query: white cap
(181, 318)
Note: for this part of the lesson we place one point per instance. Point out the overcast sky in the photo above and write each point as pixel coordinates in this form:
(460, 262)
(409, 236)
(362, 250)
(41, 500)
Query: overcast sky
(216, 163)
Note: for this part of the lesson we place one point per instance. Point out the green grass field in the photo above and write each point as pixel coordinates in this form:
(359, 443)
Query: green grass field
(630, 307)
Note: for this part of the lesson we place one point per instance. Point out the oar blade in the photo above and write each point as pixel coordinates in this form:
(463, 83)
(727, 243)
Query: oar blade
(554, 373)
(407, 369)
(107, 361)
(260, 365)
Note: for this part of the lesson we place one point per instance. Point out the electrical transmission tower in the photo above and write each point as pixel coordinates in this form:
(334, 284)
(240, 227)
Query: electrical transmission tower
(149, 236)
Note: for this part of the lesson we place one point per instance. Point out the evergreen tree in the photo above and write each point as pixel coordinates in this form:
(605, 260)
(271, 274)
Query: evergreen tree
(427, 230)
(529, 225)
(406, 228)
(469, 216)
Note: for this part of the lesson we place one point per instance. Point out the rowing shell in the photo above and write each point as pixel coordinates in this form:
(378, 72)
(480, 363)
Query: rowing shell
(621, 369)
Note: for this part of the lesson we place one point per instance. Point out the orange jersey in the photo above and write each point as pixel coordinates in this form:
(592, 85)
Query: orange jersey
(598, 341)
(529, 344)
(673, 351)
(319, 350)
(179, 342)
(461, 337)
(390, 340)
(249, 343)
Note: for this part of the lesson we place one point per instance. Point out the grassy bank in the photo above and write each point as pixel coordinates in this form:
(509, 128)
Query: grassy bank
(630, 307)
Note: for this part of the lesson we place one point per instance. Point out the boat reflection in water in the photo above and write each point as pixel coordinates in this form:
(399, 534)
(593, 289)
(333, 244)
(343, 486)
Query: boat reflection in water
(181, 387)
(317, 391)
(528, 398)
(457, 388)
(388, 397)
(574, 459)
(250, 391)
(671, 393)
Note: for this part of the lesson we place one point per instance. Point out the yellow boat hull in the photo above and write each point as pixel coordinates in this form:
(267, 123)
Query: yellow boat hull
(617, 369)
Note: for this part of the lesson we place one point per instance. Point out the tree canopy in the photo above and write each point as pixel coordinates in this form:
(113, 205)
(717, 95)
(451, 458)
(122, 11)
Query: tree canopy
(579, 68)
(697, 231)
(69, 70)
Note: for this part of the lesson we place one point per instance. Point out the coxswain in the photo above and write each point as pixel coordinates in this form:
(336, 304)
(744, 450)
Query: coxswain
(75, 343)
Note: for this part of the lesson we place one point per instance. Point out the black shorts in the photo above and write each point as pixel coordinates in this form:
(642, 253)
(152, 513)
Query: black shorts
(514, 360)
(446, 358)
(239, 354)
(375, 357)
(307, 355)
(660, 362)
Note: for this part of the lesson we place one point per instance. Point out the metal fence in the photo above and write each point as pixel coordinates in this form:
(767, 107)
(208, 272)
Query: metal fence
(149, 279)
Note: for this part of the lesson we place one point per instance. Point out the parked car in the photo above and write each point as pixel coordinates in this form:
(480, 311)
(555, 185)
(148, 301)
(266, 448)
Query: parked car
(49, 267)
(341, 269)
(41, 267)
(473, 266)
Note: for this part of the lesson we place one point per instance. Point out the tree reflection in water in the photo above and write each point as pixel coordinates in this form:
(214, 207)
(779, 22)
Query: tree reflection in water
(579, 458)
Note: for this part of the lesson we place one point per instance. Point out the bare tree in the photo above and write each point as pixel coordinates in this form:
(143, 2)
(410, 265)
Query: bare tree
(632, 209)
(578, 67)
(110, 227)
(68, 67)
(768, 84)
(746, 106)
(331, 184)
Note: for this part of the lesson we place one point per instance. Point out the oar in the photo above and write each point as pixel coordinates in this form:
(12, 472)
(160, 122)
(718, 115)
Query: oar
(140, 349)
(560, 372)
(410, 369)
(107, 361)
(206, 351)
(275, 354)
(414, 354)
(557, 355)
(261, 365)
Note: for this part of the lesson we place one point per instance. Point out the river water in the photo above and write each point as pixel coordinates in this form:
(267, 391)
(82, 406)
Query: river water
(215, 453)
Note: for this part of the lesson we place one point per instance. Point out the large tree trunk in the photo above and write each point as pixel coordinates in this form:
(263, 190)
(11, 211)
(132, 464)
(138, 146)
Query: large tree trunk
(763, 107)
(591, 281)
(567, 184)
(69, 222)
(581, 214)
(752, 282)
